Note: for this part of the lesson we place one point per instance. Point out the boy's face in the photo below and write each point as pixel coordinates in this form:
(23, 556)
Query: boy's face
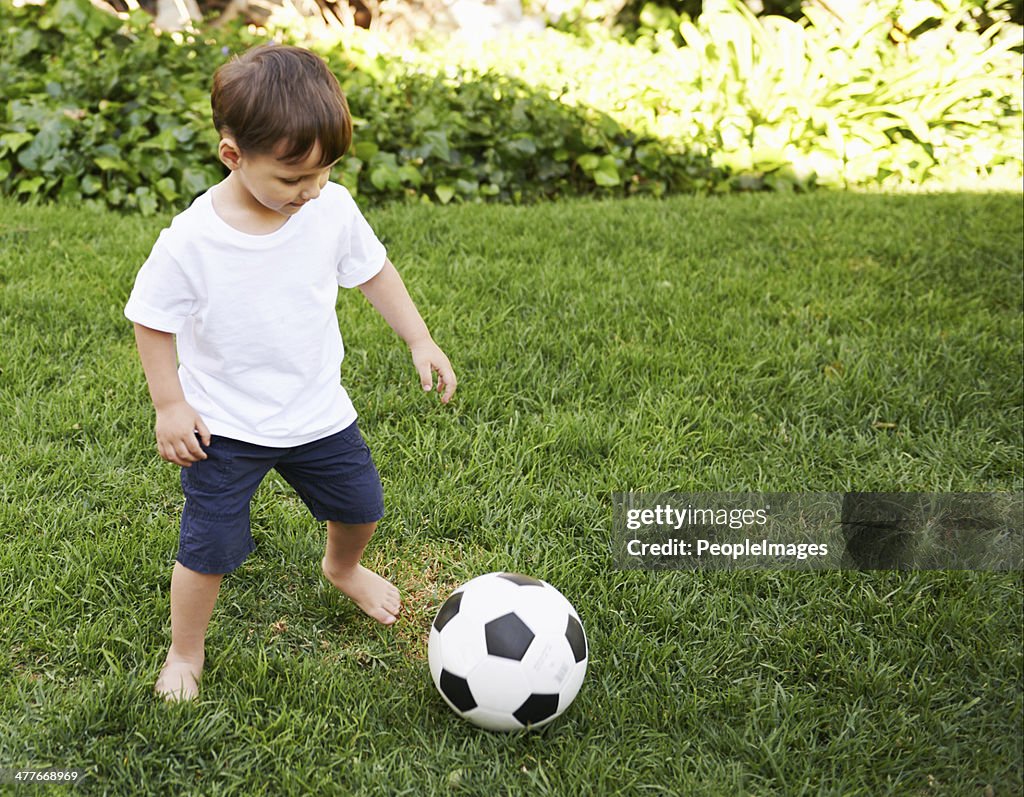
(274, 183)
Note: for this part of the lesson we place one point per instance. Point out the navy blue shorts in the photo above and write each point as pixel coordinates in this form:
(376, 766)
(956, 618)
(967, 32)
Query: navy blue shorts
(335, 477)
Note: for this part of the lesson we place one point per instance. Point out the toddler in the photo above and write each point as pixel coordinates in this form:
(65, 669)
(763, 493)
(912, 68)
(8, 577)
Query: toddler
(245, 282)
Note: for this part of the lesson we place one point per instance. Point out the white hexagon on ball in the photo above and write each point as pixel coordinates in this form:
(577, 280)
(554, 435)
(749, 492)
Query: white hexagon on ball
(507, 652)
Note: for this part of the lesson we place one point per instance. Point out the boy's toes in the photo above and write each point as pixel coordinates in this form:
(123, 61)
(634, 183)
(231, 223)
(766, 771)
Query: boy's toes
(374, 594)
(384, 616)
(177, 682)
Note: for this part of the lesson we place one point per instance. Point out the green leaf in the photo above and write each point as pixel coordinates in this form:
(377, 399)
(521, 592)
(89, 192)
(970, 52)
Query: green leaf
(111, 164)
(365, 150)
(385, 177)
(30, 185)
(146, 201)
(524, 146)
(410, 174)
(437, 144)
(12, 141)
(165, 187)
(194, 181)
(607, 172)
(91, 184)
(164, 141)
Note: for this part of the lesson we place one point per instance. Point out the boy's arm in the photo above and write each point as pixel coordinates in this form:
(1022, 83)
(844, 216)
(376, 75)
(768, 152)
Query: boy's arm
(388, 295)
(176, 421)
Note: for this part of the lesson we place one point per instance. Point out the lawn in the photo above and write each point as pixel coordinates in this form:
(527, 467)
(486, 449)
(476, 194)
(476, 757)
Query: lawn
(804, 343)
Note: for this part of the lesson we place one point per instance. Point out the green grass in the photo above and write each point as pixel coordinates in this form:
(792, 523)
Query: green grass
(812, 343)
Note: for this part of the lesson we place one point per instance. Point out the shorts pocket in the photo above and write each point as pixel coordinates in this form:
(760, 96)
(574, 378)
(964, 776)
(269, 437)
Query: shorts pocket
(209, 475)
(351, 436)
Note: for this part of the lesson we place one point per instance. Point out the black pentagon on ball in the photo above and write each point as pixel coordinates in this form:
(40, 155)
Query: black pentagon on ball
(577, 639)
(448, 610)
(521, 580)
(537, 708)
(508, 637)
(456, 689)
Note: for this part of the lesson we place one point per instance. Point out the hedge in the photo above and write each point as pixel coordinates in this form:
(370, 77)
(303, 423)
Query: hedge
(103, 110)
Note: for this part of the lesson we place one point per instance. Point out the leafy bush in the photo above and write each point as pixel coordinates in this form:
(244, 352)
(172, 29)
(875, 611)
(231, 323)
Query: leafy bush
(785, 104)
(841, 104)
(449, 132)
(109, 112)
(102, 109)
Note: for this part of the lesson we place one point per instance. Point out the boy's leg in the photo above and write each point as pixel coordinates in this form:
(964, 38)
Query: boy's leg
(336, 478)
(192, 598)
(372, 593)
(215, 539)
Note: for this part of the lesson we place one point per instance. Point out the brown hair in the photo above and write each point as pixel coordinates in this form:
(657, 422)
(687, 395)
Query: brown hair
(276, 95)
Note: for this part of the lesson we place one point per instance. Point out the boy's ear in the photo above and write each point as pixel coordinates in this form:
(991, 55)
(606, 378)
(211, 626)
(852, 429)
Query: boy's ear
(229, 153)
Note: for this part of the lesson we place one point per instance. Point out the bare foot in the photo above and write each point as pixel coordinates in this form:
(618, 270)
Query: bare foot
(374, 594)
(179, 679)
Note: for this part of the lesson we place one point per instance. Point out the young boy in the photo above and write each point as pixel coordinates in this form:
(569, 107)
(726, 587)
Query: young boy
(246, 280)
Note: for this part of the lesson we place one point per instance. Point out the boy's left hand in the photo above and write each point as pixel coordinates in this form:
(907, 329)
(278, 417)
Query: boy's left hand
(428, 358)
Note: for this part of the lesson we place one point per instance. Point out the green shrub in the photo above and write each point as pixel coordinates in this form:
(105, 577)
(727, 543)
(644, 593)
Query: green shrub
(785, 104)
(843, 105)
(460, 133)
(98, 109)
(103, 110)
(107, 111)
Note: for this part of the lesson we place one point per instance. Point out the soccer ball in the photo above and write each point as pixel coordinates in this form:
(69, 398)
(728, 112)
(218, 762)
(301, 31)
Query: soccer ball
(507, 652)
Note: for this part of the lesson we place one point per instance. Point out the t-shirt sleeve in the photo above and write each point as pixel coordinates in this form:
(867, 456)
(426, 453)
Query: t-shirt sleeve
(363, 255)
(163, 298)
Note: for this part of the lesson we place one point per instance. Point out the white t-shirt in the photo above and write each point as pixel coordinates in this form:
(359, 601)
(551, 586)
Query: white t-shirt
(259, 347)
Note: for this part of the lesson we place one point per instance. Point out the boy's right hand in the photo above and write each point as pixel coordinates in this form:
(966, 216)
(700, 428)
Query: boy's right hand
(177, 426)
